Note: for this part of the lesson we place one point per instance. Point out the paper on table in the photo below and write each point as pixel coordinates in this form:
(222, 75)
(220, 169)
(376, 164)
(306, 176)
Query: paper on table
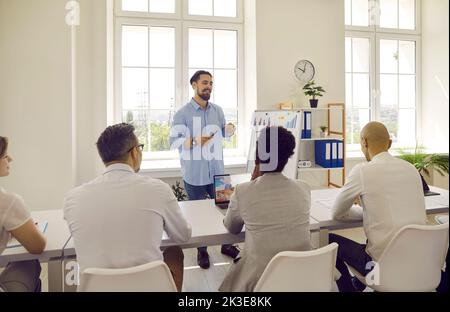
(328, 203)
(42, 226)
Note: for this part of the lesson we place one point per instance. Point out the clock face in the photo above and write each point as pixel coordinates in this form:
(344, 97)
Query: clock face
(304, 71)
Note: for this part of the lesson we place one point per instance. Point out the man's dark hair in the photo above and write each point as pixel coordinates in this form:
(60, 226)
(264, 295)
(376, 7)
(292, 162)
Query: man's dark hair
(197, 75)
(285, 142)
(115, 142)
(3, 146)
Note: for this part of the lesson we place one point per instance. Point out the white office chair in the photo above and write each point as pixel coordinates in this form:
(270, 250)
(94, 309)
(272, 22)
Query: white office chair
(154, 276)
(295, 271)
(412, 261)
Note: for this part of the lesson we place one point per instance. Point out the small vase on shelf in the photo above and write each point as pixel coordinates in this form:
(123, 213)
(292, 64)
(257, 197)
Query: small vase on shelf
(323, 131)
(313, 103)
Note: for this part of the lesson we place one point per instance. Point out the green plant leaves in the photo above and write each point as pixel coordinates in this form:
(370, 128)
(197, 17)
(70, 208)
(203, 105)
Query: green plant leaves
(426, 162)
(310, 89)
(179, 192)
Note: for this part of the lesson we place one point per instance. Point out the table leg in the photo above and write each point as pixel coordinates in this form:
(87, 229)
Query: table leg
(71, 274)
(323, 237)
(55, 275)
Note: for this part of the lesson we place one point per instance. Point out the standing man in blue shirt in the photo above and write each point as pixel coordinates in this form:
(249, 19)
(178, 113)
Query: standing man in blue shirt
(197, 131)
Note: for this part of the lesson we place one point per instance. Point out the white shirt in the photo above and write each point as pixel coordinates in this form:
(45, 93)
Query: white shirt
(117, 220)
(13, 215)
(391, 196)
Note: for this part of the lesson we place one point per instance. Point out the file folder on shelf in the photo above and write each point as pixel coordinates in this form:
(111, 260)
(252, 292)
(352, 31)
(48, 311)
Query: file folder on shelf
(329, 153)
(306, 131)
(340, 157)
(322, 151)
(334, 154)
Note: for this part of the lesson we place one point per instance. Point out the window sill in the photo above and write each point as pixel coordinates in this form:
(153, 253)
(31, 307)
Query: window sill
(170, 168)
(356, 155)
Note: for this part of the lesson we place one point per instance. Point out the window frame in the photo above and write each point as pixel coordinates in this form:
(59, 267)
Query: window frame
(240, 74)
(125, 18)
(417, 19)
(219, 19)
(372, 77)
(418, 74)
(118, 12)
(375, 27)
(376, 33)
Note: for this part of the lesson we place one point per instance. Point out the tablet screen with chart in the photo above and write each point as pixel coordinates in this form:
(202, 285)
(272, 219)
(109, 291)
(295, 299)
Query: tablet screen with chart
(223, 188)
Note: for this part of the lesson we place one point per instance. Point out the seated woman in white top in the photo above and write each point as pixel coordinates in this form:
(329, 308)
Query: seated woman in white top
(15, 221)
(274, 209)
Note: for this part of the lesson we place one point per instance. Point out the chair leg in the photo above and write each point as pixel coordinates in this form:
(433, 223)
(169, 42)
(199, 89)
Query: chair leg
(174, 258)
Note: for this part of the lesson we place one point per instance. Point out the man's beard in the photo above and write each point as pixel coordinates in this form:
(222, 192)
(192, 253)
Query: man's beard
(205, 96)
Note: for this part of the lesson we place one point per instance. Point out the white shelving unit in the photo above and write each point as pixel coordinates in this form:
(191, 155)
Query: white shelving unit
(333, 116)
(315, 167)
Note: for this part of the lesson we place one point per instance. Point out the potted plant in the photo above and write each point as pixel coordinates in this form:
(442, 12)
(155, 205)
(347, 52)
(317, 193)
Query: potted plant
(314, 91)
(424, 163)
(179, 192)
(323, 131)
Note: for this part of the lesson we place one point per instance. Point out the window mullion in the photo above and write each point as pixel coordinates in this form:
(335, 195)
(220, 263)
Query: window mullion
(351, 12)
(398, 76)
(375, 114)
(352, 84)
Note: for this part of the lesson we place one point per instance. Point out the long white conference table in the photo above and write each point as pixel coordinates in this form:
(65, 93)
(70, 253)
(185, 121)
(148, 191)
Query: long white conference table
(207, 229)
(322, 201)
(206, 220)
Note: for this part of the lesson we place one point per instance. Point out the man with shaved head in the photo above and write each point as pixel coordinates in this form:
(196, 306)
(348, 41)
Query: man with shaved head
(390, 195)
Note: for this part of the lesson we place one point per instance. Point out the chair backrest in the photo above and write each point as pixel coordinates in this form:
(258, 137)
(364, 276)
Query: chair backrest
(154, 276)
(300, 271)
(413, 259)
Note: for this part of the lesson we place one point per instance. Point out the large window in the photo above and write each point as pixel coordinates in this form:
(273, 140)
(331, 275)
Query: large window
(159, 46)
(382, 49)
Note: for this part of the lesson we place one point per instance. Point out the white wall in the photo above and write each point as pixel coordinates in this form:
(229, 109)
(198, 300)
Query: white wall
(435, 59)
(35, 99)
(35, 96)
(291, 30)
(91, 67)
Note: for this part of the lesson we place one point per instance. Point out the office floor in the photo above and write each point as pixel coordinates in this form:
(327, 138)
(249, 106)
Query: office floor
(197, 279)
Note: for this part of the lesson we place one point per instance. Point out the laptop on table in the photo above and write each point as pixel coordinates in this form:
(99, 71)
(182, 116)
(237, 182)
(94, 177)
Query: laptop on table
(426, 188)
(223, 189)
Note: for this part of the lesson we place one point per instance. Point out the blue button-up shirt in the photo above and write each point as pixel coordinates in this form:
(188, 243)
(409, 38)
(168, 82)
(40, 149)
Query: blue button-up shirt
(199, 164)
